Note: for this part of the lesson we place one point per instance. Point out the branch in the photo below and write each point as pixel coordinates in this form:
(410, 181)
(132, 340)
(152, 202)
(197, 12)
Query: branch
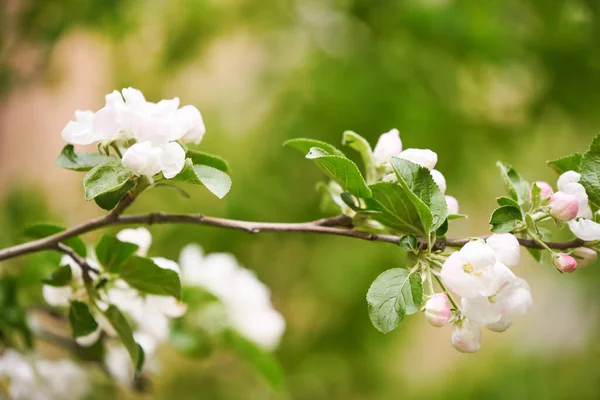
(338, 226)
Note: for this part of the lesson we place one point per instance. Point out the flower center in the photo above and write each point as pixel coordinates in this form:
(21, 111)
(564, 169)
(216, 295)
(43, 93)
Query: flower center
(468, 268)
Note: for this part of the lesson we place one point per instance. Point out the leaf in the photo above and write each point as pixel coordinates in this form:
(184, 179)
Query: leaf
(216, 181)
(393, 294)
(505, 219)
(201, 158)
(443, 229)
(536, 254)
(342, 170)
(112, 253)
(121, 326)
(566, 163)
(517, 187)
(109, 200)
(144, 275)
(61, 277)
(362, 146)
(179, 190)
(423, 192)
(590, 172)
(140, 362)
(456, 216)
(39, 231)
(263, 362)
(304, 145)
(536, 196)
(105, 178)
(396, 210)
(507, 201)
(76, 161)
(81, 320)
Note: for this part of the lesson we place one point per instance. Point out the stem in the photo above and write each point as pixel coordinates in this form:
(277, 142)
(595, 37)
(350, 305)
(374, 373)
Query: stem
(539, 241)
(445, 289)
(116, 149)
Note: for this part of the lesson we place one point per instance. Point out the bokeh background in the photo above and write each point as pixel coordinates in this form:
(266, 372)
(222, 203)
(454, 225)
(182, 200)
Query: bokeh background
(476, 81)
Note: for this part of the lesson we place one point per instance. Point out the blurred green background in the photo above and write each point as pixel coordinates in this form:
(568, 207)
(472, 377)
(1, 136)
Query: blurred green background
(475, 81)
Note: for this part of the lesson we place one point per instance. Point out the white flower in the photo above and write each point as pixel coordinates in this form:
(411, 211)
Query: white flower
(452, 205)
(189, 125)
(466, 336)
(80, 131)
(246, 300)
(584, 256)
(138, 236)
(423, 157)
(564, 206)
(585, 229)
(501, 326)
(143, 159)
(62, 295)
(438, 310)
(388, 146)
(507, 248)
(173, 160)
(439, 180)
(469, 272)
(90, 339)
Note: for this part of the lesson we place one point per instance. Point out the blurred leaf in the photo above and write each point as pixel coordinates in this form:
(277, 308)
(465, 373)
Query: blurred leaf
(590, 172)
(515, 185)
(304, 145)
(61, 277)
(121, 326)
(201, 158)
(39, 231)
(507, 201)
(140, 362)
(105, 178)
(393, 294)
(144, 275)
(362, 146)
(13, 319)
(396, 210)
(179, 190)
(108, 201)
(112, 253)
(505, 219)
(216, 181)
(81, 320)
(76, 161)
(566, 163)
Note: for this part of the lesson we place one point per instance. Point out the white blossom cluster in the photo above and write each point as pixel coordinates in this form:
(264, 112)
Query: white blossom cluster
(27, 377)
(491, 293)
(155, 129)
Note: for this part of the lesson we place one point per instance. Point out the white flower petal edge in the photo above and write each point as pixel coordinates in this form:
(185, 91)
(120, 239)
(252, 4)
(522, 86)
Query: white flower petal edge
(388, 145)
(139, 236)
(585, 229)
(507, 248)
(466, 336)
(423, 157)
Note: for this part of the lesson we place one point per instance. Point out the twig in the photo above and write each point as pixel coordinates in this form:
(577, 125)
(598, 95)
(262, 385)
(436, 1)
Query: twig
(86, 268)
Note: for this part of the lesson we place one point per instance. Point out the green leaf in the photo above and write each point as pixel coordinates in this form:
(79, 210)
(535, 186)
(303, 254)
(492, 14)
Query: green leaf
(507, 201)
(360, 144)
(109, 200)
(216, 181)
(140, 362)
(423, 192)
(517, 187)
(566, 163)
(536, 254)
(112, 253)
(456, 216)
(144, 275)
(505, 219)
(393, 294)
(536, 196)
(201, 158)
(263, 362)
(39, 231)
(342, 170)
(590, 172)
(179, 190)
(81, 320)
(61, 277)
(396, 209)
(73, 160)
(121, 326)
(442, 230)
(105, 178)
(304, 145)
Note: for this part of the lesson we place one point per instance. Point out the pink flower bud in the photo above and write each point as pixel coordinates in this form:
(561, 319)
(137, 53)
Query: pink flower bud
(565, 262)
(584, 256)
(545, 190)
(466, 336)
(563, 206)
(438, 310)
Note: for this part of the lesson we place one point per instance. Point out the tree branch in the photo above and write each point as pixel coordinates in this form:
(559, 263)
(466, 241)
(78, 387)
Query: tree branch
(339, 226)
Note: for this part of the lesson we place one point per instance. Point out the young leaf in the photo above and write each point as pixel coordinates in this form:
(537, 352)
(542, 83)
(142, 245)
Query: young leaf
(393, 294)
(505, 219)
(121, 326)
(536, 254)
(590, 172)
(536, 199)
(39, 231)
(81, 320)
(61, 277)
(517, 187)
(507, 201)
(566, 163)
(304, 145)
(144, 275)
(105, 178)
(443, 229)
(360, 144)
(342, 170)
(73, 160)
(112, 253)
(216, 181)
(423, 192)
(396, 209)
(201, 158)
(108, 201)
(140, 362)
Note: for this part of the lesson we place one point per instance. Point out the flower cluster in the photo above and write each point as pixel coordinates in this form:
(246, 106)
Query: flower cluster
(491, 293)
(149, 132)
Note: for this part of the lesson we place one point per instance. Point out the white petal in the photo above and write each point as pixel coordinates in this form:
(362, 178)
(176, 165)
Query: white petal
(439, 180)
(173, 160)
(165, 263)
(264, 327)
(188, 125)
(388, 146)
(140, 236)
(133, 97)
(566, 178)
(478, 254)
(143, 159)
(507, 248)
(466, 336)
(78, 133)
(585, 229)
(452, 205)
(423, 157)
(57, 296)
(89, 340)
(502, 325)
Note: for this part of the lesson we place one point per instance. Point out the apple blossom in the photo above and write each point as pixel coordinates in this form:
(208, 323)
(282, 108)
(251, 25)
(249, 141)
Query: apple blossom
(507, 248)
(138, 236)
(423, 157)
(564, 262)
(438, 310)
(563, 206)
(452, 205)
(143, 159)
(389, 145)
(585, 229)
(584, 256)
(80, 131)
(439, 180)
(466, 336)
(545, 190)
(501, 325)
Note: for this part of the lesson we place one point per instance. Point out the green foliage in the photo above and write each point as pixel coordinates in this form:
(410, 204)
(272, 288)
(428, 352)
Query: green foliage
(516, 186)
(395, 208)
(566, 163)
(108, 201)
(304, 145)
(14, 330)
(395, 293)
(201, 158)
(144, 275)
(61, 277)
(536, 199)
(105, 178)
(119, 323)
(39, 231)
(362, 146)
(507, 201)
(112, 253)
(81, 319)
(590, 172)
(77, 161)
(505, 219)
(215, 180)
